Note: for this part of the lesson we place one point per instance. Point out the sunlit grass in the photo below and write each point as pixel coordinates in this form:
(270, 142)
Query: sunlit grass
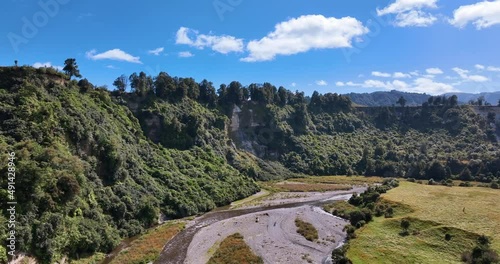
(464, 213)
(148, 247)
(344, 180)
(307, 230)
(234, 250)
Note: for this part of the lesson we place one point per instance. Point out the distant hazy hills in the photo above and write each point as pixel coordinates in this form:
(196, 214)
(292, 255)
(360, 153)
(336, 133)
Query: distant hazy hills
(390, 98)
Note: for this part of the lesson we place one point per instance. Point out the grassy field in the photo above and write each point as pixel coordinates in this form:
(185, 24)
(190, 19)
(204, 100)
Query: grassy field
(464, 213)
(307, 230)
(148, 247)
(234, 250)
(343, 180)
(318, 184)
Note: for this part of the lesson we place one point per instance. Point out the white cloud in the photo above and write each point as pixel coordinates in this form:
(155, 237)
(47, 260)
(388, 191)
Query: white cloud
(294, 84)
(434, 71)
(414, 18)
(424, 85)
(340, 84)
(493, 69)
(482, 15)
(415, 73)
(464, 74)
(157, 51)
(352, 84)
(409, 12)
(479, 66)
(321, 83)
(114, 54)
(111, 67)
(400, 75)
(381, 74)
(420, 85)
(305, 33)
(46, 65)
(182, 36)
(186, 54)
(478, 78)
(223, 44)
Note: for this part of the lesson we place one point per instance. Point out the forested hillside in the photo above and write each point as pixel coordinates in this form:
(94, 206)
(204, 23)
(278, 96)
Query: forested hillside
(95, 166)
(387, 98)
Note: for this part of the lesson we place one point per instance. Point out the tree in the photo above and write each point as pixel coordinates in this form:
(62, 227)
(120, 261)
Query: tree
(282, 96)
(141, 84)
(121, 83)
(85, 85)
(436, 171)
(480, 101)
(453, 100)
(15, 63)
(208, 94)
(466, 175)
(165, 86)
(71, 68)
(401, 101)
(405, 224)
(498, 102)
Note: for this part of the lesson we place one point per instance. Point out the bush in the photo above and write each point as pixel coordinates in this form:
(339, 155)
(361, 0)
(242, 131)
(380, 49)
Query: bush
(465, 184)
(389, 212)
(307, 230)
(350, 231)
(339, 255)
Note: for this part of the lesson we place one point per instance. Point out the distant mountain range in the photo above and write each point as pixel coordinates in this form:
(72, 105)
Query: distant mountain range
(391, 97)
(491, 98)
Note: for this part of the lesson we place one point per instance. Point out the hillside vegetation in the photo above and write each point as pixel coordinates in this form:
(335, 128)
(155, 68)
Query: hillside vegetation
(94, 166)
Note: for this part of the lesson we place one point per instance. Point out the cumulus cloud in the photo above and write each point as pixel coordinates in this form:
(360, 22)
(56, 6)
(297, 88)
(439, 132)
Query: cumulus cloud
(321, 83)
(294, 84)
(483, 15)
(409, 13)
(400, 75)
(479, 67)
(464, 74)
(114, 54)
(185, 54)
(223, 44)
(434, 71)
(493, 69)
(381, 74)
(305, 33)
(340, 84)
(157, 51)
(46, 65)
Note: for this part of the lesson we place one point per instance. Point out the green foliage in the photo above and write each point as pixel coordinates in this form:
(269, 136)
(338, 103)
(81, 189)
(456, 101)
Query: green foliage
(88, 175)
(307, 230)
(481, 253)
(71, 68)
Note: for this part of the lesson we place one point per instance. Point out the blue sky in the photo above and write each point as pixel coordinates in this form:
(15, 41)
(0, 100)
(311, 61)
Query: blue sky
(431, 46)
